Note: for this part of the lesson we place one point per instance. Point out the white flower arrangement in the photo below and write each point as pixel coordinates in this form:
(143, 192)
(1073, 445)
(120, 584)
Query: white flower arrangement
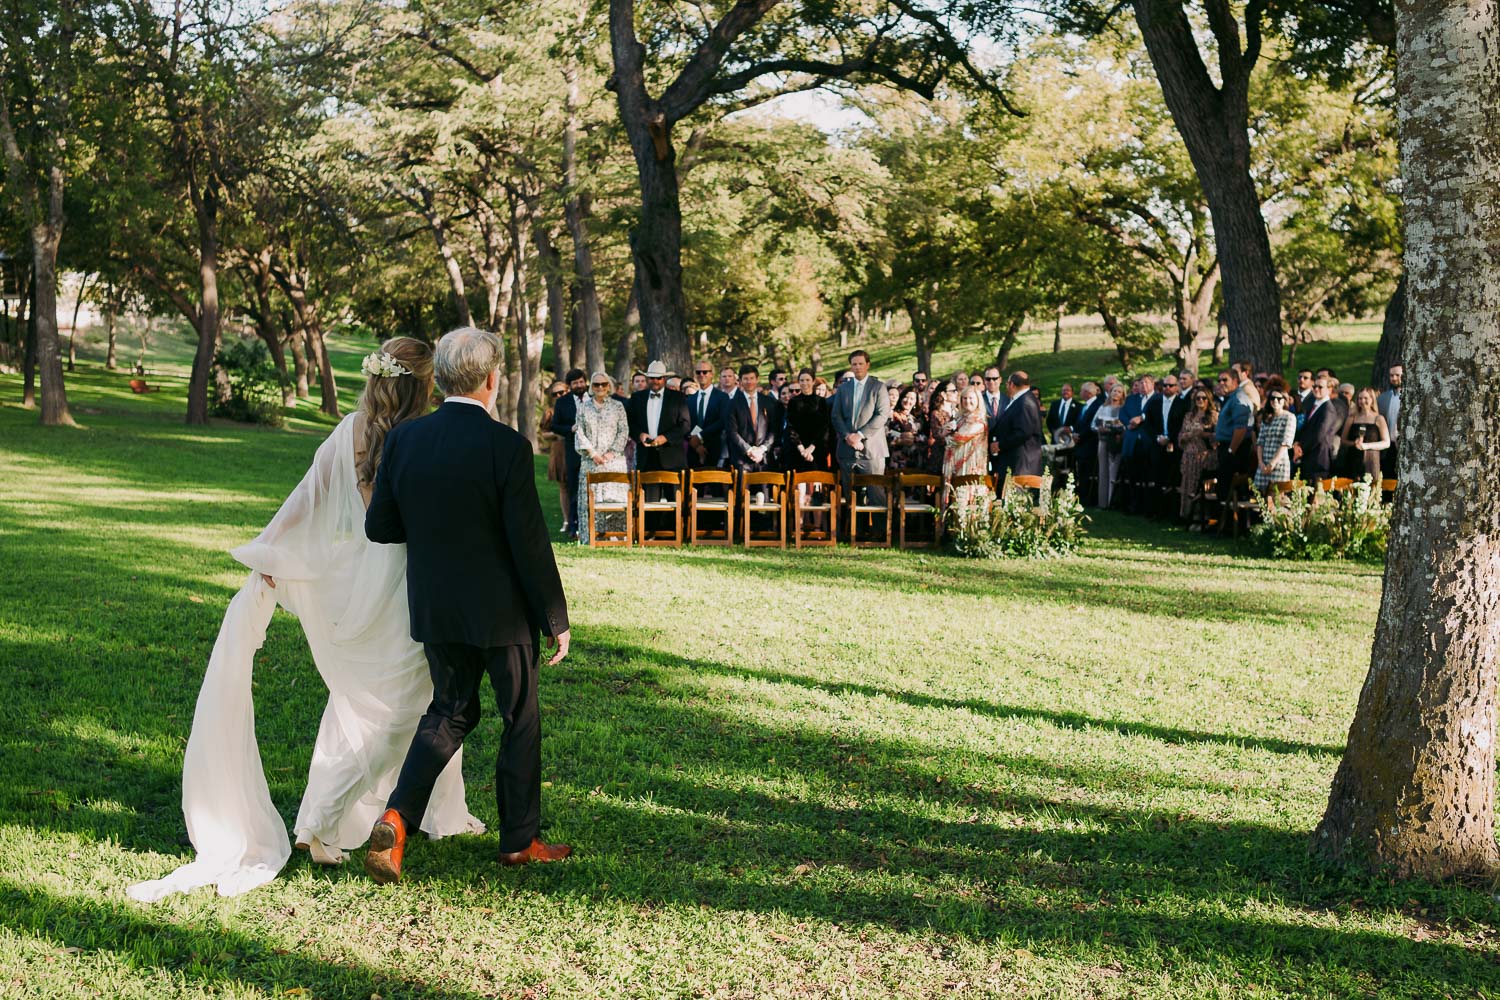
(382, 365)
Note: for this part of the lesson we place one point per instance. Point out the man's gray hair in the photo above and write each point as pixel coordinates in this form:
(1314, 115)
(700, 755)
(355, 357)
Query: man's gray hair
(464, 358)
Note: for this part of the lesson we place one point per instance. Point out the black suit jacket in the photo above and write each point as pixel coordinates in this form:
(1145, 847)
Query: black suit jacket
(1086, 436)
(564, 416)
(1018, 431)
(742, 436)
(1176, 415)
(460, 490)
(1319, 438)
(1055, 421)
(674, 424)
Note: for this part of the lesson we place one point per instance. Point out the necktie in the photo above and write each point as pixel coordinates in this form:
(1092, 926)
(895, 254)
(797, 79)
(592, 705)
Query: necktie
(656, 395)
(1064, 415)
(702, 407)
(754, 418)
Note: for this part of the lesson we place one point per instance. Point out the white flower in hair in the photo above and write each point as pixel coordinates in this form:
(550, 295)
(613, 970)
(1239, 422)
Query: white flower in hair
(383, 365)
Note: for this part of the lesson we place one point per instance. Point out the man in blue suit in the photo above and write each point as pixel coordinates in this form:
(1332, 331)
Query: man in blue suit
(709, 410)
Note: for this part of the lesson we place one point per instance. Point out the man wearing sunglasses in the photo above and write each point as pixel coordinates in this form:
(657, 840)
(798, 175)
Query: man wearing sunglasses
(709, 410)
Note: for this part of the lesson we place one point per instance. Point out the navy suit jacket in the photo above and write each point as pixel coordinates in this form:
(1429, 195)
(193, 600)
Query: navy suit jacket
(1134, 407)
(460, 490)
(714, 421)
(1018, 432)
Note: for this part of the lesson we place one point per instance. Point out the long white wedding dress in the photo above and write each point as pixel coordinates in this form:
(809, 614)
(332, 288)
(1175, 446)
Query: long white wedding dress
(349, 595)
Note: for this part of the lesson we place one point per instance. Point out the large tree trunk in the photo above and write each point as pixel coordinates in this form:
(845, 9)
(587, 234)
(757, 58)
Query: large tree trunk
(29, 352)
(557, 307)
(295, 341)
(1415, 790)
(921, 335)
(1214, 122)
(590, 353)
(1008, 343)
(206, 210)
(45, 239)
(294, 281)
(265, 318)
(111, 317)
(1392, 344)
(451, 268)
(529, 334)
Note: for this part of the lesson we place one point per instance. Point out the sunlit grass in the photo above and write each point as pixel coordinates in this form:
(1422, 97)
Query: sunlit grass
(786, 775)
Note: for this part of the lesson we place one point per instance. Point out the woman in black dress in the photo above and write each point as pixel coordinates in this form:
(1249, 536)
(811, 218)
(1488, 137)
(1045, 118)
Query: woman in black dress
(1365, 437)
(809, 428)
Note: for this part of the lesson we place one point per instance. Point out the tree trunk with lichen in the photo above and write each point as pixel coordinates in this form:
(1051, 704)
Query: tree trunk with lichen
(1415, 791)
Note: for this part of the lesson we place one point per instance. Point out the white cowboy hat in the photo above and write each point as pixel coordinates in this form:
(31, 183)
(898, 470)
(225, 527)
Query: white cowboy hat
(656, 370)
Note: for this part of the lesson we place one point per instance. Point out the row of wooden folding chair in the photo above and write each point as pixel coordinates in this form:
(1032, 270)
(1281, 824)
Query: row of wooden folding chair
(713, 506)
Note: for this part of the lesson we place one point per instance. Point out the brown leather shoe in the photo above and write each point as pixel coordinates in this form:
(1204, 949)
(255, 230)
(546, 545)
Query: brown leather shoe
(535, 851)
(387, 845)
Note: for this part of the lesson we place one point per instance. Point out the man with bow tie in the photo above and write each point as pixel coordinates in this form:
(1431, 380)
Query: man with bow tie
(659, 424)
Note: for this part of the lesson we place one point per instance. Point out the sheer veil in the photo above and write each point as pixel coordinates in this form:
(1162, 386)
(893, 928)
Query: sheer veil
(350, 597)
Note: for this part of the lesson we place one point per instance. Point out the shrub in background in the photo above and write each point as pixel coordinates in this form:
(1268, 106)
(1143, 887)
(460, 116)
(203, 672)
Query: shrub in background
(1309, 523)
(251, 384)
(1016, 526)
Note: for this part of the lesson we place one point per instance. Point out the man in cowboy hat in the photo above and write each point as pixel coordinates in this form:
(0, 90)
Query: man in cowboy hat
(659, 424)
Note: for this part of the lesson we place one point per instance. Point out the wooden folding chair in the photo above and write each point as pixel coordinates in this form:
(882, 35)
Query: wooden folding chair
(1209, 504)
(919, 495)
(1387, 491)
(806, 486)
(713, 505)
(859, 485)
(607, 539)
(774, 505)
(643, 507)
(1238, 506)
(1023, 483)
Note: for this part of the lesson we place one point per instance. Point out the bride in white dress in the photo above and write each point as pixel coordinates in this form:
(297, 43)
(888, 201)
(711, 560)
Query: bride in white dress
(350, 597)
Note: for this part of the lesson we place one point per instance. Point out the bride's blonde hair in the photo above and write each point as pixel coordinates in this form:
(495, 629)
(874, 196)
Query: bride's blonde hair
(388, 400)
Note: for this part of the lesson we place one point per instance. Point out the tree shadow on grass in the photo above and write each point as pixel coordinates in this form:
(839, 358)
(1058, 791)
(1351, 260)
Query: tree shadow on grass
(207, 955)
(613, 648)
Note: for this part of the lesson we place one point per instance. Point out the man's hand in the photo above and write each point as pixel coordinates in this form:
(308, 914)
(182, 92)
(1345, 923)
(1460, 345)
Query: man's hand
(559, 643)
(855, 440)
(661, 439)
(1136, 421)
(645, 439)
(994, 447)
(270, 580)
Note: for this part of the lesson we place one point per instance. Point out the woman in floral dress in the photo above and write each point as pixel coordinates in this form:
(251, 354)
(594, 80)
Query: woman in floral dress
(600, 435)
(968, 449)
(904, 433)
(1195, 441)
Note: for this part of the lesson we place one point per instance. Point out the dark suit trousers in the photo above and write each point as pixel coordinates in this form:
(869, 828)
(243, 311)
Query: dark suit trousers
(457, 671)
(573, 470)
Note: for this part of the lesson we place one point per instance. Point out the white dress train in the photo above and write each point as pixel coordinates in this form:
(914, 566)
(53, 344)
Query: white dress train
(349, 595)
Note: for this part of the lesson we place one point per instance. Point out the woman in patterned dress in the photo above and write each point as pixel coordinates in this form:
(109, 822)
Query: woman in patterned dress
(600, 435)
(904, 432)
(1195, 441)
(968, 449)
(1273, 445)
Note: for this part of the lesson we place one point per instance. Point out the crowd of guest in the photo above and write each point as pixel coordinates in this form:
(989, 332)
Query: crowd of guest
(1144, 447)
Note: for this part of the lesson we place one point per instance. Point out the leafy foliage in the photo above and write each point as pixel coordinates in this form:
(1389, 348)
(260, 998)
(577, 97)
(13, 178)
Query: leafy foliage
(253, 384)
(1309, 523)
(1017, 526)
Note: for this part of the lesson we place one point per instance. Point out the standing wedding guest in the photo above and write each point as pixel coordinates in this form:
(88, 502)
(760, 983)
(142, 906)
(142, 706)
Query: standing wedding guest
(709, 409)
(903, 434)
(966, 449)
(689, 388)
(821, 389)
(637, 382)
(1273, 443)
(659, 424)
(1063, 414)
(941, 414)
(960, 382)
(1016, 434)
(892, 393)
(1111, 434)
(564, 416)
(557, 452)
(809, 427)
(1232, 432)
(753, 421)
(778, 381)
(860, 412)
(1195, 443)
(459, 489)
(1366, 437)
(1086, 444)
(1389, 405)
(924, 390)
(600, 437)
(1319, 436)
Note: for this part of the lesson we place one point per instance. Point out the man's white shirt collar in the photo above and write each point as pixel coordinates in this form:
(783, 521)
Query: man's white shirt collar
(467, 399)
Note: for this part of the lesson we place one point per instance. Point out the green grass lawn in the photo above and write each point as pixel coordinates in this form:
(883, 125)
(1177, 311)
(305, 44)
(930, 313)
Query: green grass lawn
(830, 774)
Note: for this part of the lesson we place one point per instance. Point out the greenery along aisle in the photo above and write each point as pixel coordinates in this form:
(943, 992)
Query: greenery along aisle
(921, 776)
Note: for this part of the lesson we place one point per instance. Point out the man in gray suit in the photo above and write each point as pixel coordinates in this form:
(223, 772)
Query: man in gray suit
(861, 408)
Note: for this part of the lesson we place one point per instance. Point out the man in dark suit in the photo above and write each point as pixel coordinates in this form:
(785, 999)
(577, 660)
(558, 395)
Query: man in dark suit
(1086, 445)
(709, 411)
(459, 489)
(1064, 412)
(1016, 434)
(564, 416)
(659, 423)
(1318, 439)
(754, 420)
(994, 401)
(1164, 414)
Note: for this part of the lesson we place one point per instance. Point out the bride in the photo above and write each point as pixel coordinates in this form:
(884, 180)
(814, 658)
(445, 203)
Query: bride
(350, 597)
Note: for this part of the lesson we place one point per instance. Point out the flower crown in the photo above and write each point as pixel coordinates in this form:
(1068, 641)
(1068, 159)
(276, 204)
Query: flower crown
(383, 365)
